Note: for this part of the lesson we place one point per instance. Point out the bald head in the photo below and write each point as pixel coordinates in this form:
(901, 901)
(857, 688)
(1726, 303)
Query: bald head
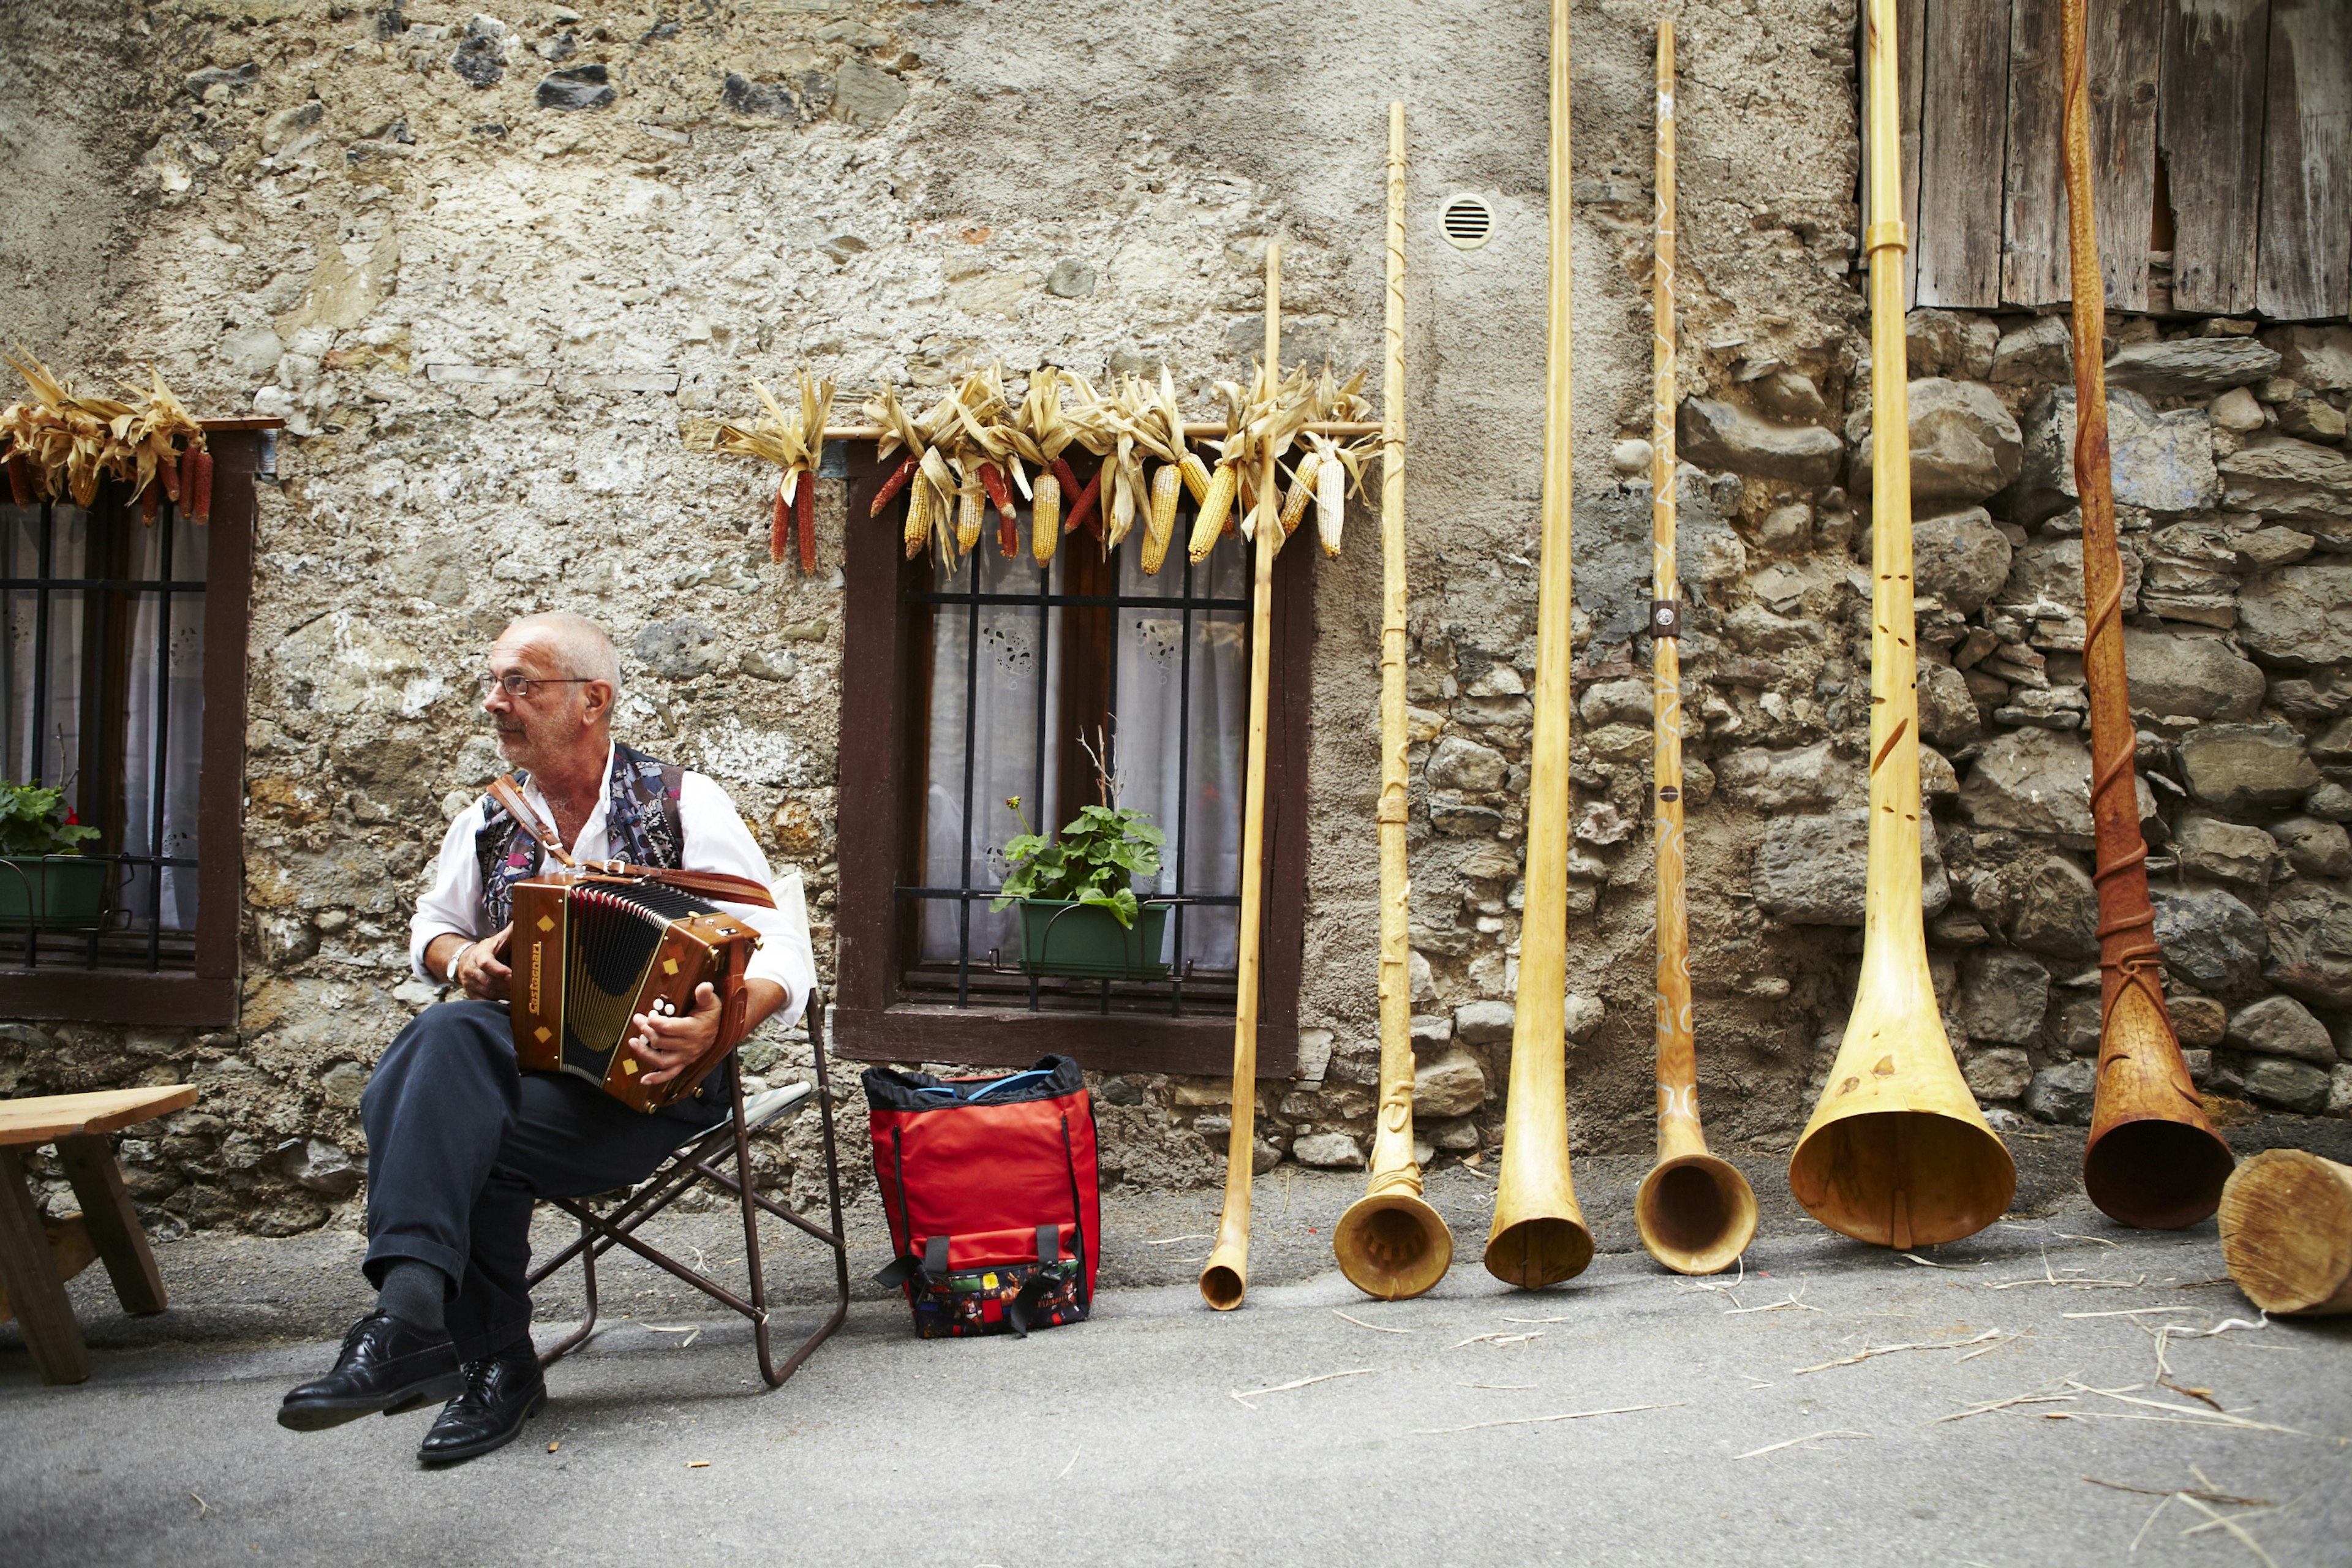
(569, 644)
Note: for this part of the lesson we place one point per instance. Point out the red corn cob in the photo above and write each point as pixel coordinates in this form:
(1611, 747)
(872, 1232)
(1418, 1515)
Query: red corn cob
(806, 501)
(1000, 494)
(1008, 535)
(147, 499)
(780, 523)
(894, 484)
(199, 493)
(20, 479)
(1082, 510)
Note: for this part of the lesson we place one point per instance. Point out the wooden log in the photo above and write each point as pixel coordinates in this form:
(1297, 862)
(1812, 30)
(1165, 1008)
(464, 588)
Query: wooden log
(2211, 84)
(2286, 1232)
(2305, 269)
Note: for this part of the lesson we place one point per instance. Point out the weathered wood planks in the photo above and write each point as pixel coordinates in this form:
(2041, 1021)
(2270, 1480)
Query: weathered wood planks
(2034, 198)
(1963, 132)
(2209, 113)
(2305, 269)
(2127, 47)
(1910, 64)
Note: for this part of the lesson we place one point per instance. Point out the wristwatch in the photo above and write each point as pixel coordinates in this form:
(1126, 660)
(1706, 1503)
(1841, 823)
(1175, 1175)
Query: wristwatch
(450, 977)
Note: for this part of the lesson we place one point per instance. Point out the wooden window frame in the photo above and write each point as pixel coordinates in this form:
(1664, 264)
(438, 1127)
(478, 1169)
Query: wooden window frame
(207, 995)
(872, 1021)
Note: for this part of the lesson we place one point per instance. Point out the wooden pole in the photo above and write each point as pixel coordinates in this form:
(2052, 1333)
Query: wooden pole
(1226, 1277)
(1539, 1236)
(1391, 1243)
(1696, 1213)
(1896, 1152)
(2153, 1158)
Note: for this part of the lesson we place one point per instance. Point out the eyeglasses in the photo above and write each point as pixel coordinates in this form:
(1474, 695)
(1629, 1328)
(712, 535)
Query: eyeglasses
(522, 685)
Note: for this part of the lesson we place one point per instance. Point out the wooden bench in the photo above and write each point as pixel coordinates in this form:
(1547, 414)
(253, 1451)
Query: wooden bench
(36, 1259)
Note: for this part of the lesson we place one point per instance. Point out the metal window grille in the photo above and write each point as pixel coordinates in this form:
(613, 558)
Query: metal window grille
(101, 691)
(1010, 631)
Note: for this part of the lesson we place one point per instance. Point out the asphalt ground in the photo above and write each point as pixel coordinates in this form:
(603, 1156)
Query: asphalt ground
(1473, 1425)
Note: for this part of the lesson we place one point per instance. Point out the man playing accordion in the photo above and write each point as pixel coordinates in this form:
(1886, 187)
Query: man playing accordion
(460, 1143)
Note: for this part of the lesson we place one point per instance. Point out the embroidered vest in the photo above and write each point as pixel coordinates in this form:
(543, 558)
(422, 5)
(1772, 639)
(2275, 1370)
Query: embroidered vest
(641, 824)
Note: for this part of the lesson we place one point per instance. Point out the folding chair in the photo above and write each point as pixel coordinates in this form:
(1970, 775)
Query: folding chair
(701, 1161)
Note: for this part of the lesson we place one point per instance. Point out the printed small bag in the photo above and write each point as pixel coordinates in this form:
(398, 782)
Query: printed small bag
(992, 1196)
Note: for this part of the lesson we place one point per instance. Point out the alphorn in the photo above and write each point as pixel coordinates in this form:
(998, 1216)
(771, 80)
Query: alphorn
(1897, 1152)
(1391, 1243)
(1696, 1213)
(1226, 1277)
(1539, 1236)
(2153, 1158)
(2286, 1232)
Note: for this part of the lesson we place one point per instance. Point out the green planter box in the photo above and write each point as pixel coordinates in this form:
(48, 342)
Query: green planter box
(1090, 943)
(53, 892)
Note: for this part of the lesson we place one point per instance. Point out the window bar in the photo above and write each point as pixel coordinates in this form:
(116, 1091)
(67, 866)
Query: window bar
(1183, 786)
(157, 772)
(101, 605)
(33, 771)
(1044, 648)
(971, 706)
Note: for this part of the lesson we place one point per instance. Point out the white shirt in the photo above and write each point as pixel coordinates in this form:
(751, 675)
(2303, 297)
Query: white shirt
(715, 840)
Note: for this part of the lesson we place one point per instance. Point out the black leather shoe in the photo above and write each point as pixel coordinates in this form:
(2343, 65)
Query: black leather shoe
(502, 1393)
(385, 1365)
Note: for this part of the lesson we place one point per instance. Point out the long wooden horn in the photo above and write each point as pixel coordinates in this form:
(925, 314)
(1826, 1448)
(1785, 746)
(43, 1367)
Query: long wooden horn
(1226, 1277)
(1539, 1236)
(1696, 1213)
(2153, 1158)
(1391, 1243)
(1896, 1152)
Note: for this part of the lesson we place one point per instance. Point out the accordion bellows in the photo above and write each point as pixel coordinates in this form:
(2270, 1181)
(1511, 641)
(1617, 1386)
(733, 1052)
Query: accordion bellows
(589, 952)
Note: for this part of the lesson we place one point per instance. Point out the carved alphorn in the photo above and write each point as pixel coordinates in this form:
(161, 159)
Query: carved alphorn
(2286, 1232)
(1696, 1211)
(1896, 1152)
(1539, 1236)
(1226, 1277)
(1391, 1243)
(2153, 1158)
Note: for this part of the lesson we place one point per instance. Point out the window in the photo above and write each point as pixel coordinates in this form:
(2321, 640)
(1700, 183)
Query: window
(121, 681)
(996, 680)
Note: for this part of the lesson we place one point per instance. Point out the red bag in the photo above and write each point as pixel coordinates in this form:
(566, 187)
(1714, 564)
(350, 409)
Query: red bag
(991, 1192)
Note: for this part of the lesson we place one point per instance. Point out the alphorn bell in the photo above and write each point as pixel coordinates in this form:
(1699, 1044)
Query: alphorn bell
(2286, 1232)
(1226, 1277)
(1391, 1243)
(2153, 1158)
(1696, 1211)
(1896, 1152)
(1539, 1236)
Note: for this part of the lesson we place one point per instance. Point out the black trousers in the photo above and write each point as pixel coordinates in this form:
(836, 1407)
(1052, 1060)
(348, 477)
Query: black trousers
(461, 1144)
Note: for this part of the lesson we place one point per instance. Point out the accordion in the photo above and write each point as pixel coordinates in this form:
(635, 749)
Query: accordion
(590, 949)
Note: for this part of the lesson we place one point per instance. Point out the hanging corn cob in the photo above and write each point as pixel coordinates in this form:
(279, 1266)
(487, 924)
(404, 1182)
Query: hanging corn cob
(58, 442)
(1046, 517)
(793, 439)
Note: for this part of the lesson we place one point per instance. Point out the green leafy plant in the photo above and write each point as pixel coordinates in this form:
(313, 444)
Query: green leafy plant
(35, 820)
(1093, 862)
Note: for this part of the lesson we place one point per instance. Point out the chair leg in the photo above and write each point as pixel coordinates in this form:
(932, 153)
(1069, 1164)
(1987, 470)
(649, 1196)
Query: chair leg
(579, 1336)
(838, 1241)
(29, 1274)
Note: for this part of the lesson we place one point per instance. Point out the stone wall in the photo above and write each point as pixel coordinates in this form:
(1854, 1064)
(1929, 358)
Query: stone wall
(500, 273)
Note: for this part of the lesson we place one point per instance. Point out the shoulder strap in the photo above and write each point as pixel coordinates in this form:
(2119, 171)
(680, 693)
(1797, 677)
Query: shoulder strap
(510, 797)
(673, 793)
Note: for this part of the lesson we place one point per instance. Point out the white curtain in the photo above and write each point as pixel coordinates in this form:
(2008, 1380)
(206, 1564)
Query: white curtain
(1150, 717)
(177, 688)
(1004, 756)
(48, 756)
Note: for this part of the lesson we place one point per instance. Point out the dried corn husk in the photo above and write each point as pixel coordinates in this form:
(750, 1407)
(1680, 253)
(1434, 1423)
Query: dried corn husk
(791, 439)
(69, 444)
(1161, 523)
(1046, 517)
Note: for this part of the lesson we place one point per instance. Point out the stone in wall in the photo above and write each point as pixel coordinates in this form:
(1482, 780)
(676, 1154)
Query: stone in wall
(2299, 616)
(2189, 676)
(2163, 462)
(1813, 870)
(1964, 445)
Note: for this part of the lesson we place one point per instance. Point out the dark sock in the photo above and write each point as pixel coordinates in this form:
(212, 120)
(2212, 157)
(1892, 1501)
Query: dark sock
(413, 1292)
